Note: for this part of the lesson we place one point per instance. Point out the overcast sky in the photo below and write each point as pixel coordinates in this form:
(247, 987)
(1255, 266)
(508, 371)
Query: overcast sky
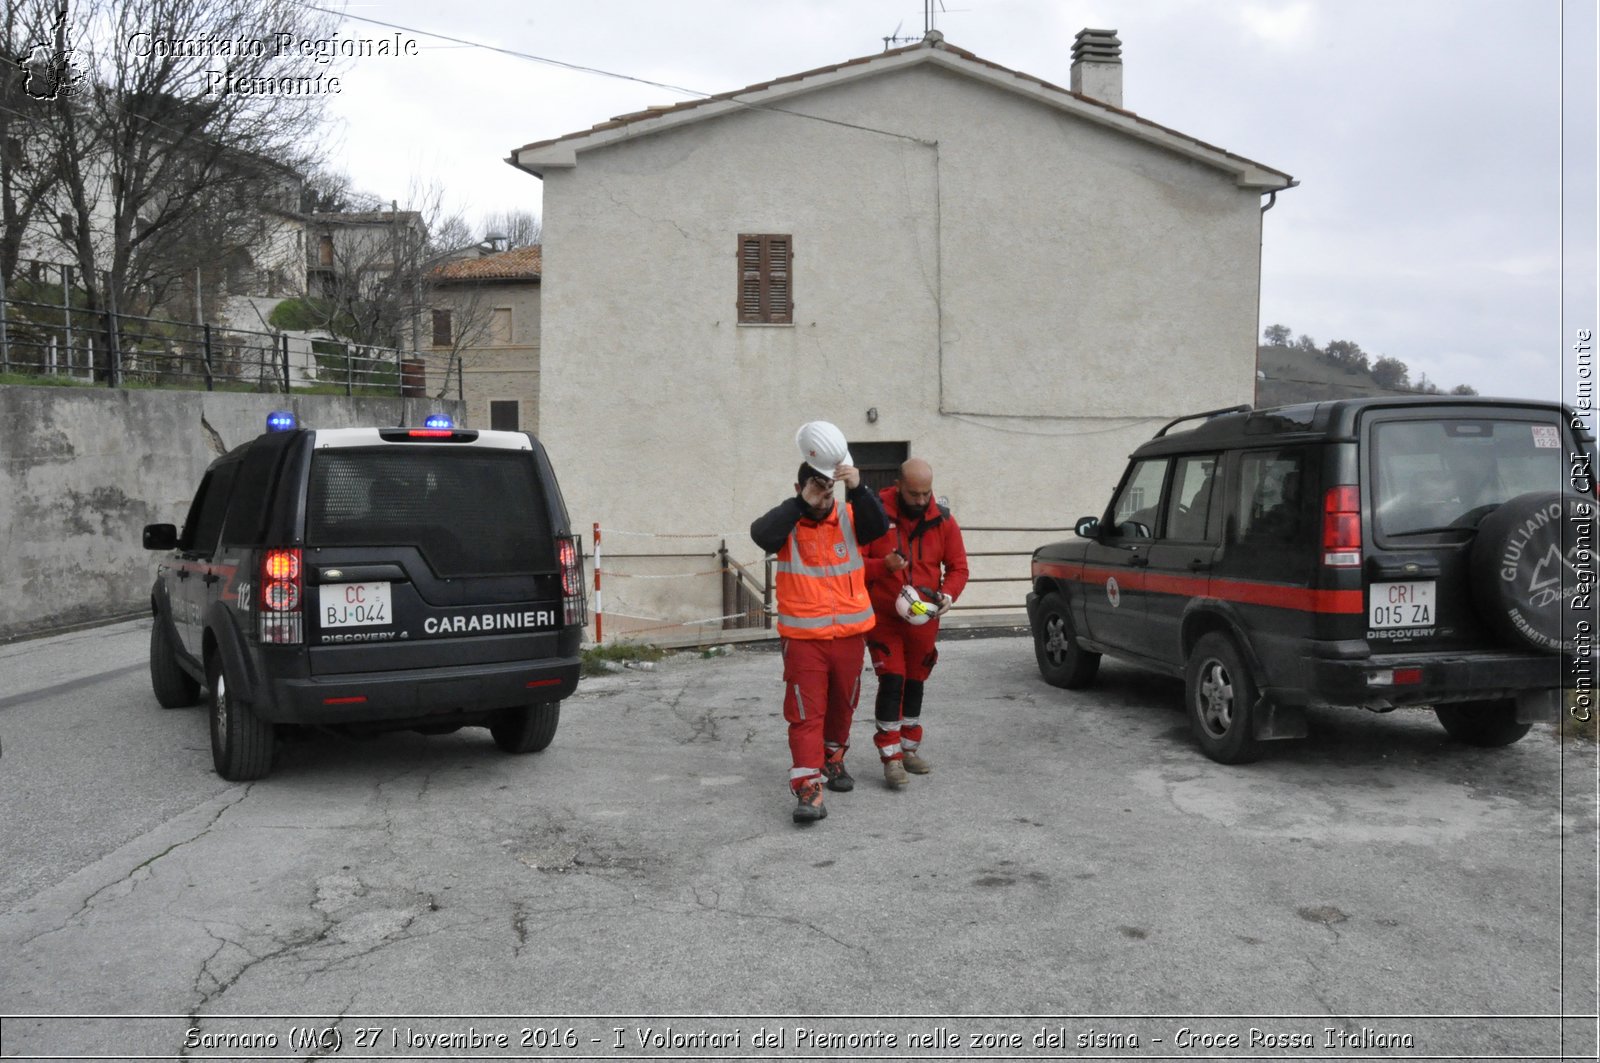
(1427, 135)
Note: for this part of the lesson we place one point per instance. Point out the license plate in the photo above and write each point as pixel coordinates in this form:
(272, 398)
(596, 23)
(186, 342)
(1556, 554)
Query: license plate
(1392, 605)
(355, 604)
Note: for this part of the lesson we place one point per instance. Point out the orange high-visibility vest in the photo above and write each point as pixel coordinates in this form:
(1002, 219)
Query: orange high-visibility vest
(821, 580)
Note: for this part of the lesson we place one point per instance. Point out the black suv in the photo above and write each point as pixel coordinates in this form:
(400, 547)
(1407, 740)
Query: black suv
(370, 579)
(1370, 553)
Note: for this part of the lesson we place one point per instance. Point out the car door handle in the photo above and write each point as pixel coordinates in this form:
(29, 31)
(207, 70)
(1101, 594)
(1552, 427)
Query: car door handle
(1198, 565)
(183, 573)
(210, 578)
(1138, 561)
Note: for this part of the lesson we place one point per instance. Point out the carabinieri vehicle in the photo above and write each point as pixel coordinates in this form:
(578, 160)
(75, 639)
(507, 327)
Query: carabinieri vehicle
(370, 579)
(1371, 553)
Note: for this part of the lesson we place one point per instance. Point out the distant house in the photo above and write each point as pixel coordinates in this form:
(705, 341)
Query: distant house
(480, 336)
(360, 247)
(1016, 280)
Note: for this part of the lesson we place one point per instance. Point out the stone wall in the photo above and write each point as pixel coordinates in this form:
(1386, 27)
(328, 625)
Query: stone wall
(83, 471)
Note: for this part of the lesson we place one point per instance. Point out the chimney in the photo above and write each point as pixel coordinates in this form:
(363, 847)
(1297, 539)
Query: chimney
(1097, 65)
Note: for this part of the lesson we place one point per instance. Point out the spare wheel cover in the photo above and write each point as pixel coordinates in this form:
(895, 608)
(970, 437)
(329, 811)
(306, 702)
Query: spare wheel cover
(1533, 568)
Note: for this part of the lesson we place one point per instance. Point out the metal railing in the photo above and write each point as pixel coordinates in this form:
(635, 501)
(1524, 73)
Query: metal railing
(64, 344)
(1022, 578)
(746, 603)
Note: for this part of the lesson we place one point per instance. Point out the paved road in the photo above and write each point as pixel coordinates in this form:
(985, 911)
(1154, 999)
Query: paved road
(1073, 869)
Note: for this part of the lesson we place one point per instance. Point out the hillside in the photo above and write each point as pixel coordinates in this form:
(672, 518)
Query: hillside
(1287, 375)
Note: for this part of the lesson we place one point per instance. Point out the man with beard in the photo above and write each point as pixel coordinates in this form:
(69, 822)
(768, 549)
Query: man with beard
(924, 551)
(823, 615)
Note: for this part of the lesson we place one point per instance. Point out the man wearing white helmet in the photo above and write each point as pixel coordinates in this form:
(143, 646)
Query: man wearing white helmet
(823, 609)
(922, 561)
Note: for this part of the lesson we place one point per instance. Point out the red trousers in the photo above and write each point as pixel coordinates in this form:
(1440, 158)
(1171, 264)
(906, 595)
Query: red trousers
(821, 685)
(899, 648)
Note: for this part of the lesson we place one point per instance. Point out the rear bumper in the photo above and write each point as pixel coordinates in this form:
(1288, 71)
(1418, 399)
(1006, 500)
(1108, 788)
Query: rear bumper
(1437, 678)
(457, 694)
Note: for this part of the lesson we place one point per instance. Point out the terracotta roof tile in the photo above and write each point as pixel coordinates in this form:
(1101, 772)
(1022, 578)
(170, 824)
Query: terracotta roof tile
(520, 263)
(659, 111)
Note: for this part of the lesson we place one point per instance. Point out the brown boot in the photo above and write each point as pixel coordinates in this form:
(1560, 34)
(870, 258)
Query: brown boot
(915, 764)
(834, 771)
(894, 774)
(810, 808)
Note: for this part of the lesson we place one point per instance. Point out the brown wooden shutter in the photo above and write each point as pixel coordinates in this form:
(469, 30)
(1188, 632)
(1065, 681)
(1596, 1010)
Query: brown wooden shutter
(750, 278)
(441, 328)
(766, 279)
(780, 296)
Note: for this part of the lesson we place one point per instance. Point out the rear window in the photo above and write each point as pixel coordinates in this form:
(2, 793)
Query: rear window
(1444, 474)
(470, 512)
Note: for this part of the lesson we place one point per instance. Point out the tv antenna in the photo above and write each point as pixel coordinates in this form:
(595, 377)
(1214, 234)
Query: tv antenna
(894, 39)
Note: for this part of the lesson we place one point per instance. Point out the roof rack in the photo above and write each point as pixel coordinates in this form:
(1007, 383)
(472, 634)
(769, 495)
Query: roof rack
(1243, 407)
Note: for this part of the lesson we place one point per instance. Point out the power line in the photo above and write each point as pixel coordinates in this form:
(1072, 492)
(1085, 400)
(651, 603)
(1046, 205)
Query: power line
(580, 68)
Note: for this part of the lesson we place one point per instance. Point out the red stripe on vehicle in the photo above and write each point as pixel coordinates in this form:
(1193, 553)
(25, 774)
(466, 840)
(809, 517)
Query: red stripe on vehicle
(1275, 595)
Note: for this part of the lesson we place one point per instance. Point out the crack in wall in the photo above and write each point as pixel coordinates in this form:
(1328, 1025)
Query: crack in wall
(213, 437)
(620, 205)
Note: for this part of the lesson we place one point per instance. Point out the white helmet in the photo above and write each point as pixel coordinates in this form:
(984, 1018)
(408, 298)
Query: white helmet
(822, 446)
(912, 609)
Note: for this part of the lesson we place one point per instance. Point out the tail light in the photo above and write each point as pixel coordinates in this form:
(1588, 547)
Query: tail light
(282, 586)
(573, 605)
(1341, 527)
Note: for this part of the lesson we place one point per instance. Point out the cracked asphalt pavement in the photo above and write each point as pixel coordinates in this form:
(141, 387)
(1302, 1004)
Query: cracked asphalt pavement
(1072, 854)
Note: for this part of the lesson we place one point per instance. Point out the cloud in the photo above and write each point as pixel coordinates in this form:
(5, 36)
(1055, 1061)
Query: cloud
(1290, 24)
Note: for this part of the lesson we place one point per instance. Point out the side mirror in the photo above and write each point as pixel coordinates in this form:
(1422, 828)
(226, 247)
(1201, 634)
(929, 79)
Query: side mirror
(1087, 527)
(160, 537)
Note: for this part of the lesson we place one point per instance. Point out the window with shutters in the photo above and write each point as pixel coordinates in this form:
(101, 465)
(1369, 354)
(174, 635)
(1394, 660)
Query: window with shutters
(441, 328)
(766, 279)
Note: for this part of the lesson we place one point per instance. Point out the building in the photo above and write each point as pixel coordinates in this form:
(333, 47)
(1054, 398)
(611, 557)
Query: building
(480, 337)
(948, 258)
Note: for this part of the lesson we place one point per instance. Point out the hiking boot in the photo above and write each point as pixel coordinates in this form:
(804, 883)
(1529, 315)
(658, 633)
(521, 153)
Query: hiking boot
(894, 774)
(810, 808)
(838, 778)
(915, 764)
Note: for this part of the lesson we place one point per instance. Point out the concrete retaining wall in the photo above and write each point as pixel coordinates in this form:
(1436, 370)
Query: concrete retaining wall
(83, 471)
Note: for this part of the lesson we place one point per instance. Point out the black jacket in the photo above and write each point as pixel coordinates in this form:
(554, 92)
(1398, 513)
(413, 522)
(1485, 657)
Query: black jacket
(771, 528)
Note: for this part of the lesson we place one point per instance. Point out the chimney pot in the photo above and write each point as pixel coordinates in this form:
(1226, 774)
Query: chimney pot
(1097, 65)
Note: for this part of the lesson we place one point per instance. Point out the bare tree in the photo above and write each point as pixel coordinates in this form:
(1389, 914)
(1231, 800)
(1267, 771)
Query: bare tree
(29, 29)
(520, 228)
(327, 190)
(373, 271)
(171, 151)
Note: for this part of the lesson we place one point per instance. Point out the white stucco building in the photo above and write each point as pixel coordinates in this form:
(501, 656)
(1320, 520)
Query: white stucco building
(1017, 281)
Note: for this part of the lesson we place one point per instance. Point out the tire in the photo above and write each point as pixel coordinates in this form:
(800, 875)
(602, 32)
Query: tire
(174, 688)
(1488, 724)
(1521, 580)
(1220, 695)
(527, 728)
(1062, 662)
(241, 742)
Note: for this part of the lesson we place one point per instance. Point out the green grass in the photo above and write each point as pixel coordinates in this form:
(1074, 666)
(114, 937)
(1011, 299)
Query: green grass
(46, 380)
(619, 653)
(54, 380)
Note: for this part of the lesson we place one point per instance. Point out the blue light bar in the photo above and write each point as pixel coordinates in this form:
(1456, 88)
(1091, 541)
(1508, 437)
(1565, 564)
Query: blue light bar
(438, 420)
(282, 421)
